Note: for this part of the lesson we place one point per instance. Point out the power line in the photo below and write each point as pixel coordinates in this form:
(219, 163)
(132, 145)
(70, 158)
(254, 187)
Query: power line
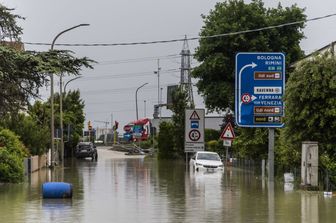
(183, 39)
(120, 90)
(108, 111)
(118, 101)
(126, 75)
(141, 59)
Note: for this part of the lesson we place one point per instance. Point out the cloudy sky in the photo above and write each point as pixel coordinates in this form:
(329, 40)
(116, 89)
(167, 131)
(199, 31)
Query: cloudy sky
(109, 89)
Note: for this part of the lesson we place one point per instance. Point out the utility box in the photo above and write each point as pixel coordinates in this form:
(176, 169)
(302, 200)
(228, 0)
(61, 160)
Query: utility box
(309, 164)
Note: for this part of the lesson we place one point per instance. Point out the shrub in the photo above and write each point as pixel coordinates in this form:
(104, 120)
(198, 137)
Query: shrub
(166, 141)
(212, 145)
(34, 136)
(147, 144)
(12, 153)
(211, 134)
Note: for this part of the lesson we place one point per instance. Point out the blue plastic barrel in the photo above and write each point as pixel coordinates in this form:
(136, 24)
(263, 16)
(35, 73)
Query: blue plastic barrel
(57, 190)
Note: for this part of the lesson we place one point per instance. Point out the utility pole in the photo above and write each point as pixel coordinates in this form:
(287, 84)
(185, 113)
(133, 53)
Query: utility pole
(160, 103)
(158, 75)
(112, 129)
(185, 80)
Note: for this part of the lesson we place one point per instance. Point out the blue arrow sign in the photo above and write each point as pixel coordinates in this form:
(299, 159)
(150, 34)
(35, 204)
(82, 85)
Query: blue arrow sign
(260, 86)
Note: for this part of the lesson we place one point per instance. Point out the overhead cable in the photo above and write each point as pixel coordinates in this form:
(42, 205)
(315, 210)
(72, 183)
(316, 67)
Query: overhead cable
(126, 75)
(182, 39)
(141, 59)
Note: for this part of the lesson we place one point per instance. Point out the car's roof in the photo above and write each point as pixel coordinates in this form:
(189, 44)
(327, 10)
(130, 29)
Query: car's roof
(206, 152)
(84, 143)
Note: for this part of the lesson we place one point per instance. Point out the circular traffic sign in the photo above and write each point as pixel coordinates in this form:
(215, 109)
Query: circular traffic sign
(194, 135)
(246, 98)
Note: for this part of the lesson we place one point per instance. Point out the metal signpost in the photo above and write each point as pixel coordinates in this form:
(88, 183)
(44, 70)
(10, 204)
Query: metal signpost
(260, 86)
(194, 131)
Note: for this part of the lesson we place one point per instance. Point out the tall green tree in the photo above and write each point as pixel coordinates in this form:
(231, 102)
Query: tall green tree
(311, 108)
(216, 72)
(180, 104)
(9, 29)
(22, 73)
(166, 149)
(74, 118)
(171, 135)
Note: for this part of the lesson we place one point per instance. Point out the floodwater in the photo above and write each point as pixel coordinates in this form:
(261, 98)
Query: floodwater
(120, 188)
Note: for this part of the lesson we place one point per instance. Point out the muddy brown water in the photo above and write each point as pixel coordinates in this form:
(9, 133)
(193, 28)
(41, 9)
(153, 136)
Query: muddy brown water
(119, 188)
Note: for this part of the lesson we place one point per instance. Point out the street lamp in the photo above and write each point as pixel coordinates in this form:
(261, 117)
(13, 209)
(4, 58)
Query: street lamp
(52, 98)
(64, 89)
(136, 100)
(145, 108)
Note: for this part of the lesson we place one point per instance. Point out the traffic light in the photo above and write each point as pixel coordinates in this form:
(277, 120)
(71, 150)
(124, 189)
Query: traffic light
(89, 126)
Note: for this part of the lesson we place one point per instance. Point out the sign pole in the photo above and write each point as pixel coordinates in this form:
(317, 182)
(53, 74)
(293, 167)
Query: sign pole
(186, 160)
(270, 154)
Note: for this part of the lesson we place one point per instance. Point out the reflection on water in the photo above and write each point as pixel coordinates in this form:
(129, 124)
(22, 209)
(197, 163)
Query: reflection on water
(134, 189)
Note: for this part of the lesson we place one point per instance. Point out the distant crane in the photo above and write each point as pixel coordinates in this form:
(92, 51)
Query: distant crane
(105, 135)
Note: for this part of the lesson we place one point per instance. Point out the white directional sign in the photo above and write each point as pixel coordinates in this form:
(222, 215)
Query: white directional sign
(194, 130)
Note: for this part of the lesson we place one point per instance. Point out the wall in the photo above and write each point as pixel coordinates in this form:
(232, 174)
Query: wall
(35, 163)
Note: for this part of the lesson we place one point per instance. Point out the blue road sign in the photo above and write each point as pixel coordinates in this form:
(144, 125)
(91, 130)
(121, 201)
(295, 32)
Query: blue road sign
(260, 86)
(194, 124)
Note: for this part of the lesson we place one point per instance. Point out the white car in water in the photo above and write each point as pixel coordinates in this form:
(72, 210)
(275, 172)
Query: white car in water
(206, 161)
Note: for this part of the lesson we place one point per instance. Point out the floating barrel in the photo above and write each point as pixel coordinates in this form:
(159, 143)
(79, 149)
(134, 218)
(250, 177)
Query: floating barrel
(57, 190)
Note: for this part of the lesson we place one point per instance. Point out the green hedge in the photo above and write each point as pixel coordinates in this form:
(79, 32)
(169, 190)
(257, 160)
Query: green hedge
(12, 153)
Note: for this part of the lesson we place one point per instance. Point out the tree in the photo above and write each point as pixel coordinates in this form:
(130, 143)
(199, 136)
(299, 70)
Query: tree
(217, 55)
(23, 72)
(166, 149)
(34, 128)
(73, 112)
(9, 29)
(311, 107)
(171, 135)
(73, 117)
(216, 73)
(34, 135)
(180, 104)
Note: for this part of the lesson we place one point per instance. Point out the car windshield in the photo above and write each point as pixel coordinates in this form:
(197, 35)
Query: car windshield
(84, 146)
(208, 156)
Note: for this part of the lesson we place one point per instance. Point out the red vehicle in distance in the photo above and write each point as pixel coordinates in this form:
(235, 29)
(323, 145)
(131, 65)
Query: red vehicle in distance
(138, 130)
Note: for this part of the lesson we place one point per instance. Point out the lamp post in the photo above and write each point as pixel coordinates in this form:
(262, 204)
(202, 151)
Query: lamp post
(52, 98)
(145, 109)
(136, 100)
(66, 84)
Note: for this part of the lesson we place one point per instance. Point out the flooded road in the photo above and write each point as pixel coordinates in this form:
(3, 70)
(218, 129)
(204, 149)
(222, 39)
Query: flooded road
(120, 188)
